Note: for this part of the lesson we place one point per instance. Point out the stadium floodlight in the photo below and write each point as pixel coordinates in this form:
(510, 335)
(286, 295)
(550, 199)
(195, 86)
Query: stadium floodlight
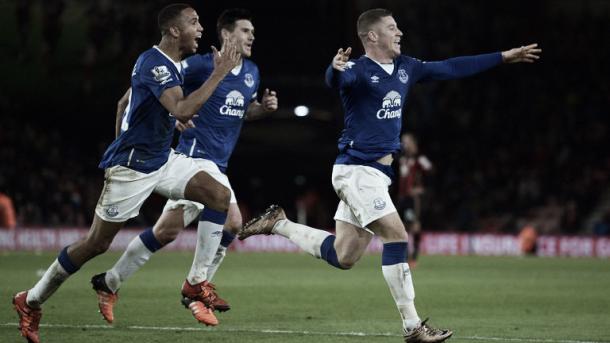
(301, 111)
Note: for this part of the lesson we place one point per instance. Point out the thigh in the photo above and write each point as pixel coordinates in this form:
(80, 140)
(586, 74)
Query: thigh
(124, 192)
(203, 188)
(389, 228)
(212, 169)
(351, 241)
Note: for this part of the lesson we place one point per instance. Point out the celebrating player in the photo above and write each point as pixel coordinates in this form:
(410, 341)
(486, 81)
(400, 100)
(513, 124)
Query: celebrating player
(140, 160)
(373, 89)
(210, 142)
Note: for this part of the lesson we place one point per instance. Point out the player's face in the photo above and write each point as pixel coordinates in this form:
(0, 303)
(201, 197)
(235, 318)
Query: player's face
(389, 36)
(243, 36)
(190, 31)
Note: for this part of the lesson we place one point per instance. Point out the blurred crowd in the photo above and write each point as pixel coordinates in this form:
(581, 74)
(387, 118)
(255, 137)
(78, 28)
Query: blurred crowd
(516, 146)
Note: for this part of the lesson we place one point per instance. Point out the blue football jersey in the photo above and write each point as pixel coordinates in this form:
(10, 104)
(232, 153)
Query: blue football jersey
(220, 119)
(373, 100)
(147, 128)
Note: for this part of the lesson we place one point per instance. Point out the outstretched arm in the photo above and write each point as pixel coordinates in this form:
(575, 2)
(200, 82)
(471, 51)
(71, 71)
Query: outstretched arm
(258, 110)
(459, 67)
(184, 108)
(120, 111)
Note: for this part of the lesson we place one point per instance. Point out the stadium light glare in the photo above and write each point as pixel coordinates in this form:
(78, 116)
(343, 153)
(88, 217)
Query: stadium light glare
(301, 111)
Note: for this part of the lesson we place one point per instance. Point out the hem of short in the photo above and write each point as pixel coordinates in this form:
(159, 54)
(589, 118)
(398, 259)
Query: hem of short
(364, 226)
(379, 217)
(113, 220)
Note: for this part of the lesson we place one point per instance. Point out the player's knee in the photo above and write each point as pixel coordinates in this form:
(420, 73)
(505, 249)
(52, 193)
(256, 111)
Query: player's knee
(221, 199)
(225, 197)
(397, 236)
(347, 264)
(233, 226)
(347, 261)
(98, 247)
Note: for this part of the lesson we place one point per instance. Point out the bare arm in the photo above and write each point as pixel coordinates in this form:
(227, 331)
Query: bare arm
(258, 110)
(120, 110)
(184, 108)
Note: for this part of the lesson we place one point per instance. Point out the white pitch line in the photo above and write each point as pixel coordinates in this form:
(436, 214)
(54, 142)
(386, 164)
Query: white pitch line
(295, 332)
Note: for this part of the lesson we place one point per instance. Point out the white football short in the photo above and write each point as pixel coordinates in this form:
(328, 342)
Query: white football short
(192, 209)
(125, 190)
(363, 192)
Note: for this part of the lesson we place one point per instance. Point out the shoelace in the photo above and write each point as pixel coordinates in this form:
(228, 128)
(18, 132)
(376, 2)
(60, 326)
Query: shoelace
(207, 293)
(266, 213)
(35, 320)
(432, 331)
(106, 298)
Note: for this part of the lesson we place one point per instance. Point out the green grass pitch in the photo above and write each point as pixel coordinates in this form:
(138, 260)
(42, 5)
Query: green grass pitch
(295, 298)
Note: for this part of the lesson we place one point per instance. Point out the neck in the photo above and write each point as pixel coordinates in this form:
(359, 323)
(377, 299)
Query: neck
(379, 56)
(170, 47)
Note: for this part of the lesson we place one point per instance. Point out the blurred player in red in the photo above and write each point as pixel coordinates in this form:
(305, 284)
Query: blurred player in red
(412, 166)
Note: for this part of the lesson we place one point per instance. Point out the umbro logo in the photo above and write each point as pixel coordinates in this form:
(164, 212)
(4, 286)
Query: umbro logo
(375, 79)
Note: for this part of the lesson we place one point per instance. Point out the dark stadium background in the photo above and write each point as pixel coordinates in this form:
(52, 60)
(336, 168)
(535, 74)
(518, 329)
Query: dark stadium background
(516, 144)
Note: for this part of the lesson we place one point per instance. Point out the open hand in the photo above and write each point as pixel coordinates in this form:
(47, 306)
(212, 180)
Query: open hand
(529, 54)
(227, 58)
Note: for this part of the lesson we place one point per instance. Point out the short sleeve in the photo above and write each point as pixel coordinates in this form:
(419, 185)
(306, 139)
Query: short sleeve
(159, 75)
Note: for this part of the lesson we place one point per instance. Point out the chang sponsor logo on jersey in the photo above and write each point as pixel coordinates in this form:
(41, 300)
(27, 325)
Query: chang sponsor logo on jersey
(390, 106)
(234, 105)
